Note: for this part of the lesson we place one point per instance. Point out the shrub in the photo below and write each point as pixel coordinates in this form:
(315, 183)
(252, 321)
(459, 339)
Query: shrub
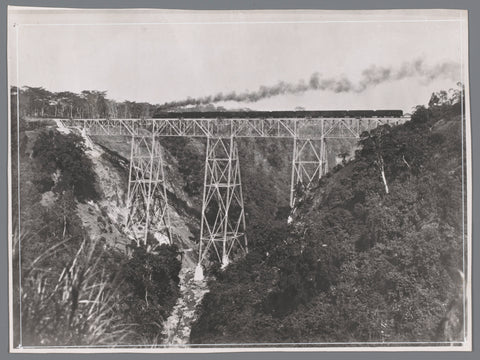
(57, 153)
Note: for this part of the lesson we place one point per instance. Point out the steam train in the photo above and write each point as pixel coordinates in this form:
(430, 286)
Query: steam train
(278, 114)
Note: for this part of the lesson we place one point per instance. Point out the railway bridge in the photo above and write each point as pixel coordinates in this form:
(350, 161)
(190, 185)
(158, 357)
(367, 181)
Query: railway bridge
(223, 217)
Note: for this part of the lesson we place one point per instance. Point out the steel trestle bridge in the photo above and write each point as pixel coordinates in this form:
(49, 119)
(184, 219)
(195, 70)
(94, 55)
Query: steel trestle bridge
(223, 217)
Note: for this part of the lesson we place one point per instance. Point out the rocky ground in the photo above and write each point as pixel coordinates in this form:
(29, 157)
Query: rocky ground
(178, 325)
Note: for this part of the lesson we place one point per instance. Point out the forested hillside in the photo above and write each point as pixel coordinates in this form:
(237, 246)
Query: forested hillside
(374, 252)
(75, 286)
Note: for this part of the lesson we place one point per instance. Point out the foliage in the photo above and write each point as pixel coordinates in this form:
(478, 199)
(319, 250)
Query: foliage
(56, 152)
(190, 162)
(73, 302)
(357, 263)
(265, 179)
(40, 103)
(153, 279)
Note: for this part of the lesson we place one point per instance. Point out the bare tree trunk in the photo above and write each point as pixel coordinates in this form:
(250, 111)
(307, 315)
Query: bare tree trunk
(64, 225)
(384, 180)
(381, 166)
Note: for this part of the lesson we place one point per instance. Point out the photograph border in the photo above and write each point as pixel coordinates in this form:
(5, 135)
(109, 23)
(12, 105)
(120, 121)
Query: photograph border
(196, 349)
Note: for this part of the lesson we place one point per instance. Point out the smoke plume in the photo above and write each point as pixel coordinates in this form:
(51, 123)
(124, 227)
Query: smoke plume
(370, 77)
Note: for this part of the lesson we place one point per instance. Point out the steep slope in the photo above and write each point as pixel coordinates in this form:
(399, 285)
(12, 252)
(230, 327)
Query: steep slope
(367, 257)
(183, 209)
(82, 282)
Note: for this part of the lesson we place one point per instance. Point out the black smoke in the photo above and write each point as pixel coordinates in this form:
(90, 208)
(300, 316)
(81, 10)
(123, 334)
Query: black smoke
(370, 77)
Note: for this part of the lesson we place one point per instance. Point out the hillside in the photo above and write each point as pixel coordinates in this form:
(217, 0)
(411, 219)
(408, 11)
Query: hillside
(374, 252)
(83, 281)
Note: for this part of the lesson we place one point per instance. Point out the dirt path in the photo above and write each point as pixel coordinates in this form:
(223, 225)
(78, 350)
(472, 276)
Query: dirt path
(178, 325)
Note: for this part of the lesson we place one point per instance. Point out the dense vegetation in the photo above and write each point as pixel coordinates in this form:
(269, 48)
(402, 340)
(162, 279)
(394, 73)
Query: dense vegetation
(38, 102)
(61, 164)
(190, 162)
(75, 288)
(374, 252)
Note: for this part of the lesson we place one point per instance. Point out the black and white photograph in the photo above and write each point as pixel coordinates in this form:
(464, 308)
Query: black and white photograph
(216, 181)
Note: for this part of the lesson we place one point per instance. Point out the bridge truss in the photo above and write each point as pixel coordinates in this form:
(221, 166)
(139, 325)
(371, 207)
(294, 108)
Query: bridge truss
(223, 231)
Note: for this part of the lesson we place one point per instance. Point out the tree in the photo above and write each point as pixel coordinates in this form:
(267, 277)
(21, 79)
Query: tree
(62, 158)
(96, 103)
(153, 278)
(38, 100)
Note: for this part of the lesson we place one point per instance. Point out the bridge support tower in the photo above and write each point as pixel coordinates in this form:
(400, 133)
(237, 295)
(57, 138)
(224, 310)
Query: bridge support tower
(309, 163)
(223, 216)
(147, 196)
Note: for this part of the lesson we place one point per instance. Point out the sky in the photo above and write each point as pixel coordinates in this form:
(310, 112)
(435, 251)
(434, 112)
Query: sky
(161, 57)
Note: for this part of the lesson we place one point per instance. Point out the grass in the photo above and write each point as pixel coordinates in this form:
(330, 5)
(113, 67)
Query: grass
(76, 304)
